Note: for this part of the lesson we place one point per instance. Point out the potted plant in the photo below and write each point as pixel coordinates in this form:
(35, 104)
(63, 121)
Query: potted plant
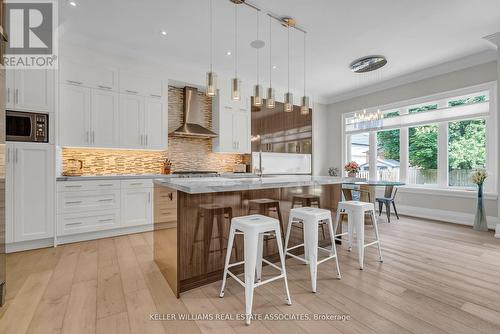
(352, 168)
(480, 223)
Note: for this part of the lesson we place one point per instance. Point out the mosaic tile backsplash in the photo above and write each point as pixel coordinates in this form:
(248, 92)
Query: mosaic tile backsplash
(184, 153)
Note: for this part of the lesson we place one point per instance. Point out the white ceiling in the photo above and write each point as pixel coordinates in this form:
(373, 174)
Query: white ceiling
(413, 35)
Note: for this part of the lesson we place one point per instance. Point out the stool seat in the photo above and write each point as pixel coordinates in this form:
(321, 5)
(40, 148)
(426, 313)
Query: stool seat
(263, 201)
(254, 223)
(306, 213)
(356, 205)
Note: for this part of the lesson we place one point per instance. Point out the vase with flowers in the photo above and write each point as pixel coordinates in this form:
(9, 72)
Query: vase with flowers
(480, 223)
(352, 168)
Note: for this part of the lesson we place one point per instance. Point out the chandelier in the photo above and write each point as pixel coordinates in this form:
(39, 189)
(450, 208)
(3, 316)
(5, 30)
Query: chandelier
(368, 120)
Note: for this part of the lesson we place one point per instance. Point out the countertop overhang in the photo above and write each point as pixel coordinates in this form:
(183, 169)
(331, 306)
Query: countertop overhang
(204, 185)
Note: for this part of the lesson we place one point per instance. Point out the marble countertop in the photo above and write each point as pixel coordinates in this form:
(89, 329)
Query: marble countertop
(222, 184)
(115, 177)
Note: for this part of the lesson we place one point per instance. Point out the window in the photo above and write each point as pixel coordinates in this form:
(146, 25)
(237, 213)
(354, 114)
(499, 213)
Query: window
(423, 154)
(388, 155)
(466, 151)
(434, 142)
(360, 152)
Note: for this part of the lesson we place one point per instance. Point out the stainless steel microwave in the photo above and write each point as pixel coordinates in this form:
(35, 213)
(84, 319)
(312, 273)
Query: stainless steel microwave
(27, 127)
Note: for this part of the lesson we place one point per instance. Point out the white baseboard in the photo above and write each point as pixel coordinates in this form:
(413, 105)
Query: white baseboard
(66, 239)
(49, 242)
(446, 216)
(27, 245)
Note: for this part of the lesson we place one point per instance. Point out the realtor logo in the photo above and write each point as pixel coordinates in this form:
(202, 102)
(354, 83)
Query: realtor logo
(31, 32)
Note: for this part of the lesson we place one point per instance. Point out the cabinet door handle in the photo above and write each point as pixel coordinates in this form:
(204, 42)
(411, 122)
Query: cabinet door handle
(155, 95)
(146, 140)
(149, 197)
(74, 202)
(171, 196)
(75, 82)
(87, 136)
(75, 186)
(105, 184)
(105, 200)
(228, 107)
(73, 224)
(8, 95)
(105, 220)
(93, 137)
(16, 156)
(137, 184)
(104, 87)
(17, 96)
(131, 91)
(142, 140)
(7, 158)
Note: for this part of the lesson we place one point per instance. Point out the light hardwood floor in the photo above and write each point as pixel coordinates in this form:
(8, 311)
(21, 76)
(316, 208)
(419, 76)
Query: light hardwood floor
(436, 278)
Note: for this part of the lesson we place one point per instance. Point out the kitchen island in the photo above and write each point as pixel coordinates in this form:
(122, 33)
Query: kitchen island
(193, 215)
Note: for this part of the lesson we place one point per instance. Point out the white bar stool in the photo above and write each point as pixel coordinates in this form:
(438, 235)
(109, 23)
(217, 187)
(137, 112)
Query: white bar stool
(311, 218)
(355, 211)
(253, 228)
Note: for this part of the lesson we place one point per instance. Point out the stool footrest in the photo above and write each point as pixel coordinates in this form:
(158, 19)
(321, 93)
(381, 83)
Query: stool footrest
(236, 278)
(269, 280)
(325, 249)
(371, 243)
(271, 264)
(326, 259)
(294, 247)
(235, 264)
(296, 257)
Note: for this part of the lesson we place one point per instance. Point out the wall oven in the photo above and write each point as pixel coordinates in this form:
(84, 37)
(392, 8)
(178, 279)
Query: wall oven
(27, 127)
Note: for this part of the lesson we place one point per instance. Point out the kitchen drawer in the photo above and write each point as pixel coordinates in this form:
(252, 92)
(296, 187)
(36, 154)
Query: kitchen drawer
(91, 200)
(138, 183)
(88, 185)
(165, 205)
(87, 222)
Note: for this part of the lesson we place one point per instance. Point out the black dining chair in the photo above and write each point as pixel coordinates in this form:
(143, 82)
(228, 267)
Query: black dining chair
(388, 199)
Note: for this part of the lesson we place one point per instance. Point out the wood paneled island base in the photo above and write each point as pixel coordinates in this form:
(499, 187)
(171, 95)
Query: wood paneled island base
(192, 253)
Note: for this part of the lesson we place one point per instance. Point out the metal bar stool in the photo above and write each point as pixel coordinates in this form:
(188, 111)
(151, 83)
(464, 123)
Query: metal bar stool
(307, 200)
(266, 206)
(253, 228)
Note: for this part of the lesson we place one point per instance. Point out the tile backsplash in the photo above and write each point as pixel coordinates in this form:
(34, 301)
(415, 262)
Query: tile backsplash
(184, 153)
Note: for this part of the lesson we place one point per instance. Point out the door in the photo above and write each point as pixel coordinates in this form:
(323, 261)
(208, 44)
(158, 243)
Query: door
(9, 89)
(104, 119)
(136, 207)
(33, 191)
(34, 90)
(155, 124)
(131, 121)
(74, 127)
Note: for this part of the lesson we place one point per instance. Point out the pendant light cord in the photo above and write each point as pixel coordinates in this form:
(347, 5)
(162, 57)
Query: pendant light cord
(304, 64)
(288, 34)
(211, 36)
(257, 48)
(270, 54)
(235, 40)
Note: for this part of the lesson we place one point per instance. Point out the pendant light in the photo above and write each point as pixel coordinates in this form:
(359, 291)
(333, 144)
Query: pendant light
(270, 91)
(211, 86)
(304, 106)
(288, 105)
(257, 90)
(235, 82)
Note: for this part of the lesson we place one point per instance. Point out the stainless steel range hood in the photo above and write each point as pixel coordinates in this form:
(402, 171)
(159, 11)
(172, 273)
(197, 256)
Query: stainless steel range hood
(193, 118)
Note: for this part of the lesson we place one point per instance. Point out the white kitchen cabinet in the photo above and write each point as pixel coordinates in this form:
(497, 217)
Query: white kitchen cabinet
(136, 206)
(156, 124)
(143, 122)
(74, 116)
(30, 191)
(86, 75)
(231, 121)
(88, 117)
(137, 84)
(131, 121)
(30, 90)
(104, 124)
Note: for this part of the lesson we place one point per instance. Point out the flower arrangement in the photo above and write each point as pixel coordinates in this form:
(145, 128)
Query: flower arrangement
(351, 168)
(479, 176)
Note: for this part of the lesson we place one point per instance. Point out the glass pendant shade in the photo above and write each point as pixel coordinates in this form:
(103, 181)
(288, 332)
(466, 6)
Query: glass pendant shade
(270, 102)
(211, 84)
(257, 96)
(288, 106)
(304, 106)
(235, 89)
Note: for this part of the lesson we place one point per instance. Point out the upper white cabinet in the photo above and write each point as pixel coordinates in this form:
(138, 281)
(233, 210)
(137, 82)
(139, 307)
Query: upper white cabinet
(89, 76)
(30, 90)
(136, 84)
(93, 113)
(231, 121)
(29, 191)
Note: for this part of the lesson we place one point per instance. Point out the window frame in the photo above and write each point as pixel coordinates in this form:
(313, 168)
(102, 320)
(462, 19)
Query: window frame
(442, 100)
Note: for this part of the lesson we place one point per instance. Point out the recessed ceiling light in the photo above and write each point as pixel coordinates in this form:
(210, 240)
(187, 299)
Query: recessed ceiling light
(163, 32)
(228, 53)
(275, 67)
(72, 3)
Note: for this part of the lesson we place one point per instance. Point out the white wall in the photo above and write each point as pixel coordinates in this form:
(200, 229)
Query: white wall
(442, 205)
